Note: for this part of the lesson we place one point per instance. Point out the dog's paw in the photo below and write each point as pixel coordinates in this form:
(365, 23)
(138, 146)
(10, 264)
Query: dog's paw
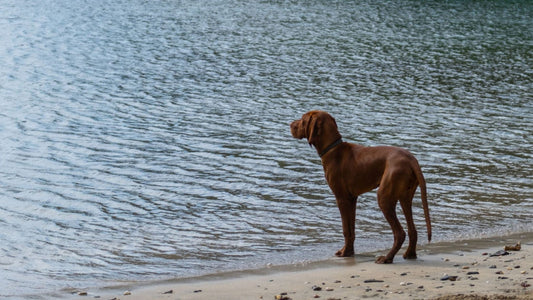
(383, 260)
(344, 253)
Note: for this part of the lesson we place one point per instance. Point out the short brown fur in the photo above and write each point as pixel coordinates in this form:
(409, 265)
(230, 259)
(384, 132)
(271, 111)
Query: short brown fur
(352, 170)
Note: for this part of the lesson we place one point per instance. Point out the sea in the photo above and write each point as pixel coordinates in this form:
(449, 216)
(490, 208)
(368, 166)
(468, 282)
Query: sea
(149, 140)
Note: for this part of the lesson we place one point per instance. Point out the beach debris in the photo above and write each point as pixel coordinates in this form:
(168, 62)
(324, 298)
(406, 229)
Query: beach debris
(499, 253)
(316, 288)
(168, 292)
(516, 247)
(82, 293)
(372, 281)
(127, 293)
(525, 284)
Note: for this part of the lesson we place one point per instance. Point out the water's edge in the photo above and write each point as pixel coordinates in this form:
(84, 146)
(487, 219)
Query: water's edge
(466, 245)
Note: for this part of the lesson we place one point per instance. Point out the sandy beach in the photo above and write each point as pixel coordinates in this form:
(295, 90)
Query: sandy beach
(478, 269)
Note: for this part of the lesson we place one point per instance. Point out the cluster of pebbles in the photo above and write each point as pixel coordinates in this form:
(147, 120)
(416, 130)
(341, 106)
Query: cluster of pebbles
(491, 267)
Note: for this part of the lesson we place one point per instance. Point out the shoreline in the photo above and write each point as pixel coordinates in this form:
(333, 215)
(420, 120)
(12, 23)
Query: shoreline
(478, 274)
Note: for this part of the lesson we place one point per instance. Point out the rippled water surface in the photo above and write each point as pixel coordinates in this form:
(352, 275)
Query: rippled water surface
(145, 140)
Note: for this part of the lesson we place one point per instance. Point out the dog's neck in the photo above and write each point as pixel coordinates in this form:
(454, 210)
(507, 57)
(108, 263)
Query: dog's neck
(331, 146)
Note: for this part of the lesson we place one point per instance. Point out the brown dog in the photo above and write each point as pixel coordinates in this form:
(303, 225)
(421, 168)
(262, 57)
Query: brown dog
(352, 170)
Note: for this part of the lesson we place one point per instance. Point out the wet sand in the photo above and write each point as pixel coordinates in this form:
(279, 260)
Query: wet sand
(460, 270)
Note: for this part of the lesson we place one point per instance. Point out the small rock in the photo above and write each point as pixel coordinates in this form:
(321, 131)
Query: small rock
(448, 277)
(420, 287)
(472, 273)
(328, 289)
(523, 272)
(500, 253)
(403, 274)
(466, 267)
(499, 272)
(282, 296)
(372, 280)
(403, 283)
(316, 296)
(168, 292)
(197, 291)
(337, 281)
(127, 293)
(517, 267)
(82, 293)
(492, 267)
(525, 284)
(316, 288)
(503, 277)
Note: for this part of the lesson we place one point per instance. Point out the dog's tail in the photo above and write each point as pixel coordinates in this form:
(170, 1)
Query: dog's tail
(423, 194)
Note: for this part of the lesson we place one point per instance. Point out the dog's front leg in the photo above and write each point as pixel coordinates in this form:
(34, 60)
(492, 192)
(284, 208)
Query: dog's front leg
(347, 209)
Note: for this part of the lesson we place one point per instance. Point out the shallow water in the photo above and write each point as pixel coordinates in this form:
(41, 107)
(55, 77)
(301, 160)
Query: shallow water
(150, 140)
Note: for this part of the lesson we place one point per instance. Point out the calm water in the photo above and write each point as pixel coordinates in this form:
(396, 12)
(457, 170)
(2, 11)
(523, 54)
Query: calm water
(146, 140)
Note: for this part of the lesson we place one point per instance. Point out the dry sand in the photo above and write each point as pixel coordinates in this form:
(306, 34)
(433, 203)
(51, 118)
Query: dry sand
(456, 271)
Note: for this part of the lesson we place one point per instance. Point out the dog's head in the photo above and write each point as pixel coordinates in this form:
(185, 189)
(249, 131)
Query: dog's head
(318, 127)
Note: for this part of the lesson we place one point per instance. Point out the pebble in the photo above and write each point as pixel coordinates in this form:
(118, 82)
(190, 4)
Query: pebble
(316, 288)
(127, 293)
(500, 253)
(168, 292)
(492, 267)
(328, 289)
(372, 280)
(472, 273)
(83, 293)
(448, 277)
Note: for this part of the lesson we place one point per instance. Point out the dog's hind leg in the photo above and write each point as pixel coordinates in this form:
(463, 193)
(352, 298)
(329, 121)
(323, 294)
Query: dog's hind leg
(388, 207)
(406, 202)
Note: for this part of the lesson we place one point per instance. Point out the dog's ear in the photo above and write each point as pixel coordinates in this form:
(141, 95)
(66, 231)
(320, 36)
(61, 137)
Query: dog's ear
(313, 130)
